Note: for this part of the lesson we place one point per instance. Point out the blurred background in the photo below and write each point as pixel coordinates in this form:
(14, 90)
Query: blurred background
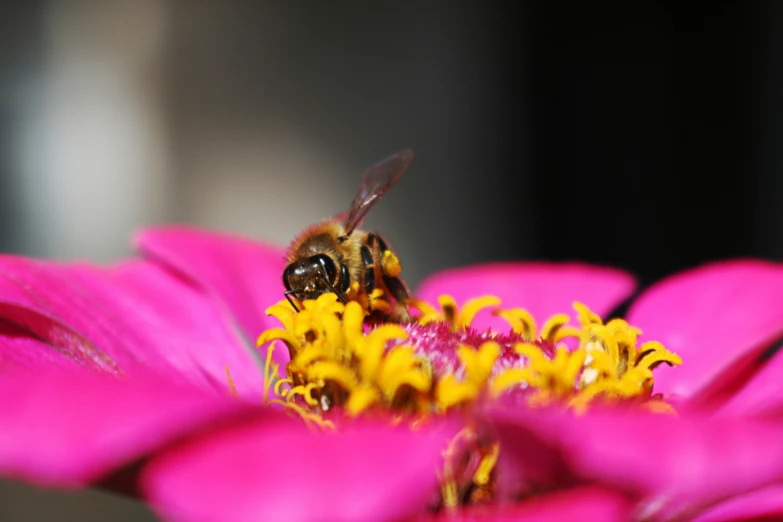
(641, 136)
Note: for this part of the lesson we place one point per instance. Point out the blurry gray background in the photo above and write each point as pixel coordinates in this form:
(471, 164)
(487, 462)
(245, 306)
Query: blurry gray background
(256, 118)
(641, 135)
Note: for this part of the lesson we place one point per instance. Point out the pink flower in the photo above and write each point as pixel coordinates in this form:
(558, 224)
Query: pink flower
(116, 377)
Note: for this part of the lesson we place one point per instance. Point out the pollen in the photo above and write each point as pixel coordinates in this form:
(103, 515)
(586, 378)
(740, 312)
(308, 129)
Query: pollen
(391, 264)
(343, 365)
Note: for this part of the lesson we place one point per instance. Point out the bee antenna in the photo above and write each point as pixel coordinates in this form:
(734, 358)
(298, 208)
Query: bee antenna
(339, 295)
(288, 294)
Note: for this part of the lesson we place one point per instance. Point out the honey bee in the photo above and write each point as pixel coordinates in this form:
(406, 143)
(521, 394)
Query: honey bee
(334, 256)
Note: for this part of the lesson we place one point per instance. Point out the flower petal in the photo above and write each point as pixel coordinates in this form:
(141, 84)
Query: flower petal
(118, 320)
(543, 289)
(691, 460)
(580, 503)
(64, 428)
(715, 317)
(20, 351)
(761, 395)
(763, 504)
(284, 471)
(245, 275)
(186, 329)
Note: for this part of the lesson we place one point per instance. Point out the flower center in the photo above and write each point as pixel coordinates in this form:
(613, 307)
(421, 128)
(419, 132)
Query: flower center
(341, 366)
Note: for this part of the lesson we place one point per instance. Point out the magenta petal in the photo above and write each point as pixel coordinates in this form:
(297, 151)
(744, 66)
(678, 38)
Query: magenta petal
(581, 503)
(245, 275)
(132, 316)
(761, 395)
(691, 460)
(763, 504)
(70, 428)
(285, 471)
(40, 298)
(543, 289)
(185, 329)
(20, 351)
(713, 317)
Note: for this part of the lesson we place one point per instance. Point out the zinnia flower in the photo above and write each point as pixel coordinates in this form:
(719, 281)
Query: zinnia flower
(514, 394)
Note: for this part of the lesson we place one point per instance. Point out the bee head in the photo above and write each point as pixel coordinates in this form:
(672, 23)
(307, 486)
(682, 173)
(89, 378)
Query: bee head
(312, 277)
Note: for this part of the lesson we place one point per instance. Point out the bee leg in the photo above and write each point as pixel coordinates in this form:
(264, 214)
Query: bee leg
(390, 264)
(369, 273)
(374, 240)
(288, 294)
(339, 294)
(390, 268)
(399, 291)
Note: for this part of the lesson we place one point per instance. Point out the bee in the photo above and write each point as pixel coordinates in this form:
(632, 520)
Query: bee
(334, 256)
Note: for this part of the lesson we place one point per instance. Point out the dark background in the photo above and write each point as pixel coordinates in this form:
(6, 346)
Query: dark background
(641, 136)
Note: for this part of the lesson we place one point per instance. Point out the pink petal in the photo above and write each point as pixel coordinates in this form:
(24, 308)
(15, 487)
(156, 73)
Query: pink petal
(285, 471)
(543, 289)
(716, 317)
(766, 504)
(186, 330)
(133, 316)
(70, 428)
(245, 275)
(581, 503)
(761, 395)
(693, 460)
(20, 351)
(34, 293)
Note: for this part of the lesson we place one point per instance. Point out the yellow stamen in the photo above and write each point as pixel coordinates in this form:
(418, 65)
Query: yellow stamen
(585, 316)
(449, 492)
(402, 366)
(515, 377)
(451, 313)
(428, 312)
(279, 391)
(532, 353)
(377, 302)
(361, 399)
(450, 392)
(452, 454)
(332, 371)
(304, 391)
(556, 329)
(353, 322)
(310, 419)
(598, 337)
(231, 388)
(371, 350)
(653, 353)
(488, 462)
(479, 363)
(281, 334)
(659, 407)
(449, 308)
(283, 312)
(268, 377)
(521, 321)
(472, 307)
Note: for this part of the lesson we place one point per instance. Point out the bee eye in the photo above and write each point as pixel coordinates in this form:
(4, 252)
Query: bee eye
(328, 264)
(286, 275)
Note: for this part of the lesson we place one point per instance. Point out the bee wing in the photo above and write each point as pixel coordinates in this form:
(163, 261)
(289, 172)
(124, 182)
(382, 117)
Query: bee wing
(376, 180)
